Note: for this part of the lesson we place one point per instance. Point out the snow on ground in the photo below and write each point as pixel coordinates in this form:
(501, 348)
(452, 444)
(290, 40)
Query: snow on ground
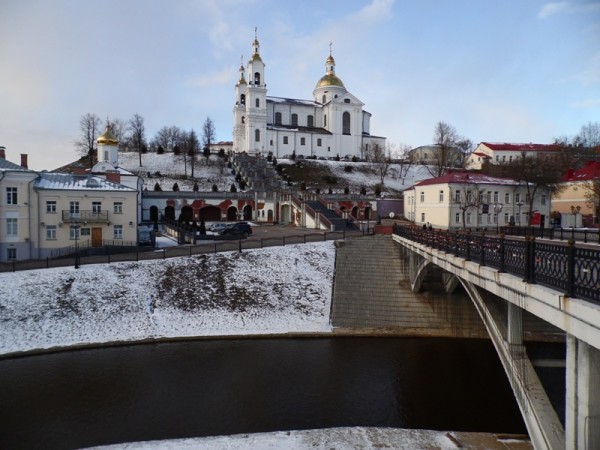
(274, 290)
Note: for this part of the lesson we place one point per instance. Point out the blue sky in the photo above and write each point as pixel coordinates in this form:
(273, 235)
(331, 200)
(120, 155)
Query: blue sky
(509, 71)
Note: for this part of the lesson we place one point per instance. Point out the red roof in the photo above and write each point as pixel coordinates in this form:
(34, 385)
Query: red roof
(503, 146)
(467, 177)
(590, 171)
(483, 155)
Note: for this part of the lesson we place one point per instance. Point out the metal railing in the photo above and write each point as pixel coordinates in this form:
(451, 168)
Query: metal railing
(85, 216)
(574, 234)
(570, 269)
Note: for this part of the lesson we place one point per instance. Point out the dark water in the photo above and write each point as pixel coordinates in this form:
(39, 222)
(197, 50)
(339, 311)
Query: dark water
(202, 388)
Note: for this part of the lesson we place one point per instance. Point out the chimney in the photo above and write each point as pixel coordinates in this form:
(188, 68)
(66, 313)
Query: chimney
(24, 160)
(2, 152)
(114, 176)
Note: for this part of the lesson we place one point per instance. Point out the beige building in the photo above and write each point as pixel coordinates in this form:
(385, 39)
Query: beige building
(463, 200)
(572, 203)
(502, 153)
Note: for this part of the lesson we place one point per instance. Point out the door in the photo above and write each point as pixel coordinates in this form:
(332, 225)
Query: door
(96, 237)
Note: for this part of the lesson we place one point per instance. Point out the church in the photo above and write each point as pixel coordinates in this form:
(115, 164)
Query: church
(332, 124)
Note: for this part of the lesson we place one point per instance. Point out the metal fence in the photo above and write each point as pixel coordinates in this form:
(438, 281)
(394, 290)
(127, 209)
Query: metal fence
(570, 269)
(563, 234)
(111, 255)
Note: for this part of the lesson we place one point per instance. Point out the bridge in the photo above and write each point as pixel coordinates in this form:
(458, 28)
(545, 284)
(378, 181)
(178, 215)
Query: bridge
(559, 282)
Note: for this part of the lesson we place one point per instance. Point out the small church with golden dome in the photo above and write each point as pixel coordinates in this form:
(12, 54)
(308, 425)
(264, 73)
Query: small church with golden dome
(333, 123)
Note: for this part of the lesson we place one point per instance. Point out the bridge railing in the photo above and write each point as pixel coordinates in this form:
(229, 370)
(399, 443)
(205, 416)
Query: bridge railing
(570, 269)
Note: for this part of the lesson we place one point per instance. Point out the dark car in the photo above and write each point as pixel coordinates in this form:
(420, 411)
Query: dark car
(238, 229)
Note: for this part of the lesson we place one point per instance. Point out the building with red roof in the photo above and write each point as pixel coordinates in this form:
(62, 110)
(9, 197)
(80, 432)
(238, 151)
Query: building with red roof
(573, 202)
(503, 152)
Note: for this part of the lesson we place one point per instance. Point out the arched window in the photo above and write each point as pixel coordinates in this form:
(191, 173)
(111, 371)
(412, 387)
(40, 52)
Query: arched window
(346, 123)
(256, 77)
(257, 135)
(277, 118)
(258, 102)
(324, 120)
(310, 121)
(295, 120)
(324, 99)
(243, 99)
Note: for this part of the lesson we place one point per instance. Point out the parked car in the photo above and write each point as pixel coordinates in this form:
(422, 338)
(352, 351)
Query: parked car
(242, 229)
(145, 235)
(217, 227)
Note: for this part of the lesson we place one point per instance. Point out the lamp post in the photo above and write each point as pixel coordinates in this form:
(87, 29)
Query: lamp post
(497, 210)
(519, 204)
(76, 227)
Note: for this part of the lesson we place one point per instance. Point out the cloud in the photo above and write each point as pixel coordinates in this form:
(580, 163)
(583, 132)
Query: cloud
(550, 9)
(587, 103)
(376, 11)
(221, 78)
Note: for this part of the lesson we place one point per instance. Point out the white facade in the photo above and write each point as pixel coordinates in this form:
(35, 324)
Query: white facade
(332, 123)
(470, 201)
(503, 153)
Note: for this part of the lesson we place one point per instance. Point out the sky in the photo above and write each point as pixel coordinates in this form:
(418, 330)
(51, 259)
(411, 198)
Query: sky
(510, 71)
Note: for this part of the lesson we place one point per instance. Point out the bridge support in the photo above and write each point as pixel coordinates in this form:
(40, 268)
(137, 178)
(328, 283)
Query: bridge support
(583, 395)
(514, 336)
(418, 267)
(450, 282)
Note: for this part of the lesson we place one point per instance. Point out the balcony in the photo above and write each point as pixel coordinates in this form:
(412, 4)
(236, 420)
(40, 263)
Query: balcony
(85, 216)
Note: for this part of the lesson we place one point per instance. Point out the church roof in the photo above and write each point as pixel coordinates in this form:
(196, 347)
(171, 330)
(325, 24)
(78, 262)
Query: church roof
(313, 130)
(330, 79)
(503, 146)
(292, 101)
(107, 138)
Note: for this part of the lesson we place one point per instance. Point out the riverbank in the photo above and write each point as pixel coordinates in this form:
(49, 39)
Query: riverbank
(271, 291)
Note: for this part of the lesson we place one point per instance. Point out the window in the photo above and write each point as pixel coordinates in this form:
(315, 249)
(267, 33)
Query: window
(258, 102)
(496, 197)
(489, 197)
(51, 233)
(497, 158)
(510, 158)
(527, 198)
(51, 206)
(422, 217)
(257, 135)
(346, 100)
(543, 200)
(346, 123)
(319, 142)
(11, 196)
(469, 197)
(295, 120)
(324, 120)
(310, 120)
(96, 207)
(243, 119)
(74, 207)
(506, 218)
(105, 155)
(457, 218)
(118, 207)
(118, 232)
(469, 218)
(11, 254)
(285, 140)
(441, 196)
(302, 141)
(323, 99)
(422, 196)
(12, 229)
(507, 198)
(243, 99)
(503, 158)
(489, 218)
(256, 77)
(277, 118)
(457, 196)
(74, 233)
(517, 197)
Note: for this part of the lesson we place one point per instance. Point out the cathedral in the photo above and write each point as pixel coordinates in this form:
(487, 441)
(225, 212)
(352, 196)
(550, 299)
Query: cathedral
(332, 124)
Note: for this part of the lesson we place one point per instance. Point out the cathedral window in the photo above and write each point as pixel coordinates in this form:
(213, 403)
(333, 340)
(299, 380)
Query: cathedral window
(346, 100)
(257, 135)
(302, 141)
(257, 78)
(243, 99)
(295, 120)
(285, 140)
(324, 120)
(277, 118)
(324, 99)
(319, 142)
(310, 121)
(258, 102)
(243, 119)
(346, 123)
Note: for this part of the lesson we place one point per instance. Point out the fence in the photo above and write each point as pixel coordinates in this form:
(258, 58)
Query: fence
(572, 270)
(574, 234)
(148, 253)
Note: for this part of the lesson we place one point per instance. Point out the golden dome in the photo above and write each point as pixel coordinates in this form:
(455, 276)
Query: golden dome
(330, 79)
(107, 138)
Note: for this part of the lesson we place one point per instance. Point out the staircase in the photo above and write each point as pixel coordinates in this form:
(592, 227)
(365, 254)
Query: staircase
(338, 221)
(372, 291)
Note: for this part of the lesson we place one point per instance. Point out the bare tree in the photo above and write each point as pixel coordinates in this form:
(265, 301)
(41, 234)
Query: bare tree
(468, 197)
(192, 147)
(118, 128)
(447, 153)
(167, 138)
(208, 136)
(402, 157)
(380, 161)
(589, 135)
(89, 126)
(137, 139)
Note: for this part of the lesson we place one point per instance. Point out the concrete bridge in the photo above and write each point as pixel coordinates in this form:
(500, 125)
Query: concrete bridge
(505, 279)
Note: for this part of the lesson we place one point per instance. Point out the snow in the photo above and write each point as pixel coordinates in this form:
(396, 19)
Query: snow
(262, 291)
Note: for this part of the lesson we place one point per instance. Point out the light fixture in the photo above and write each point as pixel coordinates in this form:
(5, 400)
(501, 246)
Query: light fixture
(42, 224)
(130, 223)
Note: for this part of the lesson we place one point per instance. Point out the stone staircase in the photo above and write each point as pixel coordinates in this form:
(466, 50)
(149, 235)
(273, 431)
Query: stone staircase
(338, 221)
(372, 291)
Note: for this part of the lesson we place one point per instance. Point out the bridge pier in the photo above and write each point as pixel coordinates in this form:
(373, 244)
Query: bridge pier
(583, 395)
(514, 335)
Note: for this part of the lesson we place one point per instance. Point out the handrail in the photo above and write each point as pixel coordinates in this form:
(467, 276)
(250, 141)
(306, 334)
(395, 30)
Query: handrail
(562, 266)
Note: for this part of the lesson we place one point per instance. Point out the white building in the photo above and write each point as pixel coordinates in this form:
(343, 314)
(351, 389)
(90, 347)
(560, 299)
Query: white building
(502, 153)
(332, 123)
(461, 200)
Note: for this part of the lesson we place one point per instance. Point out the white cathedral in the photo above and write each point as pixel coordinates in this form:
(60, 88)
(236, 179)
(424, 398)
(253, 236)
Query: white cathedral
(333, 123)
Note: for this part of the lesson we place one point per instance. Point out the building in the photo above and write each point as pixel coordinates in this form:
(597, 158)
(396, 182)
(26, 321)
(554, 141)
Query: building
(470, 200)
(572, 205)
(433, 154)
(499, 153)
(332, 123)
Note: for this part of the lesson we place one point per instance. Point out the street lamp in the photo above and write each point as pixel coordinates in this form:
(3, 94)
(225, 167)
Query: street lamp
(519, 204)
(76, 227)
(497, 210)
